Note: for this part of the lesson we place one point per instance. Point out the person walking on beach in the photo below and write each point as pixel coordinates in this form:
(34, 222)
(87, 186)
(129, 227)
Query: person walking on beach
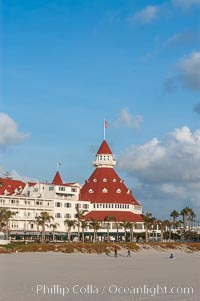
(115, 252)
(129, 253)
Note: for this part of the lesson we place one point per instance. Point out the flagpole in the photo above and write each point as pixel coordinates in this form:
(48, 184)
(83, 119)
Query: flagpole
(104, 128)
(58, 163)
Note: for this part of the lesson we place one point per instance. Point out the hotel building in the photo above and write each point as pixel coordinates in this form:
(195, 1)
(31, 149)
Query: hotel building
(103, 195)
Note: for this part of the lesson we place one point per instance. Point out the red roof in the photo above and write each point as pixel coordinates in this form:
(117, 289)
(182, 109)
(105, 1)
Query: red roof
(10, 187)
(119, 215)
(104, 149)
(105, 186)
(57, 179)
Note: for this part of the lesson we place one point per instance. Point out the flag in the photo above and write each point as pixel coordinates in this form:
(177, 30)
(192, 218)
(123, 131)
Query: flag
(59, 163)
(105, 124)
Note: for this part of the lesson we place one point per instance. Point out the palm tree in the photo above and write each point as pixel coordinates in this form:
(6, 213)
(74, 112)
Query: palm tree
(117, 226)
(79, 216)
(109, 219)
(163, 226)
(43, 220)
(96, 225)
(191, 217)
(185, 212)
(7, 175)
(84, 225)
(54, 227)
(132, 225)
(70, 223)
(126, 225)
(174, 214)
(148, 220)
(5, 216)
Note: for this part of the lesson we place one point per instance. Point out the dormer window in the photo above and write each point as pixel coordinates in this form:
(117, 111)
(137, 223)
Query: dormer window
(91, 191)
(104, 190)
(114, 180)
(118, 190)
(94, 180)
(104, 180)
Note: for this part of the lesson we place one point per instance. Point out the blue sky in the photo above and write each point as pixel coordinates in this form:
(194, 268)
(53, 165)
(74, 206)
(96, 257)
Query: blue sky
(67, 65)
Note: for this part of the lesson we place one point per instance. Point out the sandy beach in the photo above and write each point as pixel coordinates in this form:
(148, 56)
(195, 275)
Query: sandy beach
(146, 275)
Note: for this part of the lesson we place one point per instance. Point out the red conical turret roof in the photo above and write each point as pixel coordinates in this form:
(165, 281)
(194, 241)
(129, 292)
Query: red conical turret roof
(105, 186)
(57, 179)
(104, 149)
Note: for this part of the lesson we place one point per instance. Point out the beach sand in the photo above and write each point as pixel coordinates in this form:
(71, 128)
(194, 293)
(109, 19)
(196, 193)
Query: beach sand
(58, 276)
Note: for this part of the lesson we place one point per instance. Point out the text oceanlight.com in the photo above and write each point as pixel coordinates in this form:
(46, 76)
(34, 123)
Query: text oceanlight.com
(112, 289)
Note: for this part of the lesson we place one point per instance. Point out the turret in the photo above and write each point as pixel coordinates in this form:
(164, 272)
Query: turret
(104, 156)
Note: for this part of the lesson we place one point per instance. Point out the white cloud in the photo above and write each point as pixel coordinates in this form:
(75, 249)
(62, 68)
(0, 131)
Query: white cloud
(166, 169)
(9, 133)
(146, 15)
(189, 68)
(16, 176)
(185, 4)
(127, 119)
(180, 38)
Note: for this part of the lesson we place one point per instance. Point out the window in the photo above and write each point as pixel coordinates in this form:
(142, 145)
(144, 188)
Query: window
(104, 190)
(68, 205)
(78, 205)
(85, 206)
(91, 191)
(61, 188)
(67, 215)
(58, 204)
(51, 188)
(73, 189)
(138, 226)
(58, 215)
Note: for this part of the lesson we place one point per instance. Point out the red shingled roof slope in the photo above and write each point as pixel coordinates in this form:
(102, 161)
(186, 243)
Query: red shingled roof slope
(106, 179)
(104, 149)
(57, 179)
(11, 186)
(119, 215)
